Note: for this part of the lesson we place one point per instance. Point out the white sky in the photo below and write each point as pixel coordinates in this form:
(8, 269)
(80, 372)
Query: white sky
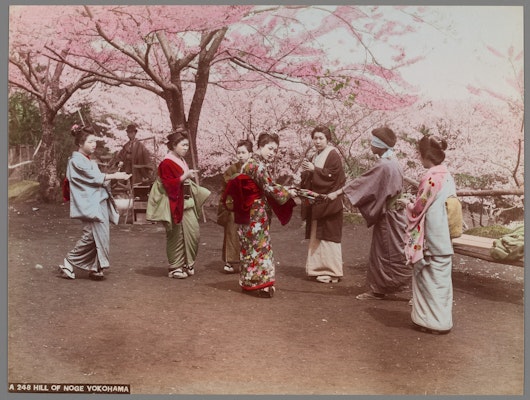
(454, 49)
(452, 62)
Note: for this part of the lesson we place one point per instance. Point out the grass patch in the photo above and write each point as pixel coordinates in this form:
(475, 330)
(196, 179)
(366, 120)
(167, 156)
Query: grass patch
(493, 231)
(22, 191)
(353, 218)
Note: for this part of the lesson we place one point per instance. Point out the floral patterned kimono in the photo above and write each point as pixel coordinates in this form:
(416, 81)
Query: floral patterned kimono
(257, 259)
(430, 250)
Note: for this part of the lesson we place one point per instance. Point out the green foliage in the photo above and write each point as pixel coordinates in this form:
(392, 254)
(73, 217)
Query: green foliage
(477, 182)
(492, 231)
(353, 218)
(22, 191)
(25, 129)
(24, 122)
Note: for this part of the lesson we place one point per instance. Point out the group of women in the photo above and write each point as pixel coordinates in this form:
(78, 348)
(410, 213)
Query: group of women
(410, 239)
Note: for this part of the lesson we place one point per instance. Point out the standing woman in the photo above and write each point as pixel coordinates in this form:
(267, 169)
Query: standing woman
(182, 234)
(375, 194)
(429, 248)
(91, 202)
(255, 197)
(231, 248)
(324, 174)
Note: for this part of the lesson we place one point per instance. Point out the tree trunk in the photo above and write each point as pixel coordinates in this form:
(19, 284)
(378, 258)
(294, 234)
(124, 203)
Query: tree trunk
(45, 160)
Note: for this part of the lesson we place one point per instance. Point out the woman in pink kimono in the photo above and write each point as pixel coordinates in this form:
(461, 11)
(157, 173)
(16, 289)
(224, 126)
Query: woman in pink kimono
(429, 248)
(90, 201)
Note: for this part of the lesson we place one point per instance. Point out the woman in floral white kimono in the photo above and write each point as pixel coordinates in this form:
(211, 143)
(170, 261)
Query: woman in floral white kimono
(255, 196)
(429, 248)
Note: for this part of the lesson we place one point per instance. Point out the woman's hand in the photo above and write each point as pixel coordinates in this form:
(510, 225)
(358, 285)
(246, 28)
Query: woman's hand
(307, 166)
(118, 175)
(334, 195)
(189, 174)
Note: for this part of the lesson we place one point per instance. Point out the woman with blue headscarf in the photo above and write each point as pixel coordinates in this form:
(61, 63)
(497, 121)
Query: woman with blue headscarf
(375, 194)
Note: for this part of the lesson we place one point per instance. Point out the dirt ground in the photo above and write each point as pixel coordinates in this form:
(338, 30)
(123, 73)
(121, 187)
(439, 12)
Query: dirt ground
(202, 335)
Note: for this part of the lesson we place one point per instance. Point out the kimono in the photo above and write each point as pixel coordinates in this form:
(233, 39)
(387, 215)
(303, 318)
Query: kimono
(231, 248)
(429, 249)
(91, 202)
(375, 193)
(253, 212)
(135, 153)
(324, 219)
(185, 201)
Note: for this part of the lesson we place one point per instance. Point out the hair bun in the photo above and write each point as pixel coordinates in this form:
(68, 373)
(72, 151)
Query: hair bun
(75, 129)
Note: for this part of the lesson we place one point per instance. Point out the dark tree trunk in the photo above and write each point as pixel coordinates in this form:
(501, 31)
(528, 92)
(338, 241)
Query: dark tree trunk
(45, 159)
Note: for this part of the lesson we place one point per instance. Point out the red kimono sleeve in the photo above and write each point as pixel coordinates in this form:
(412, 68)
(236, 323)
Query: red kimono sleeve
(170, 175)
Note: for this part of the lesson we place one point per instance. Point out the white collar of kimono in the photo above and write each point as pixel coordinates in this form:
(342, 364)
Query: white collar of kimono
(376, 142)
(320, 158)
(177, 160)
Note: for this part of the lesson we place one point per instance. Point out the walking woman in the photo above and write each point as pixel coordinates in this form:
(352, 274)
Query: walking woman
(322, 175)
(429, 248)
(185, 201)
(231, 248)
(375, 194)
(91, 202)
(255, 197)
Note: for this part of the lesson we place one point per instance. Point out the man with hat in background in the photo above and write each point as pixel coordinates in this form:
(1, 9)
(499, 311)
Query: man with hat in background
(134, 153)
(375, 194)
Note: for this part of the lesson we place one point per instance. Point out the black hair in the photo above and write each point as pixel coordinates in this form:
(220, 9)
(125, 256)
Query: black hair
(175, 138)
(266, 138)
(80, 133)
(245, 142)
(322, 129)
(433, 149)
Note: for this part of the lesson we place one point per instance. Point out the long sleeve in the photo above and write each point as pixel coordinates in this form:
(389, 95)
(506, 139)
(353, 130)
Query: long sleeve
(170, 174)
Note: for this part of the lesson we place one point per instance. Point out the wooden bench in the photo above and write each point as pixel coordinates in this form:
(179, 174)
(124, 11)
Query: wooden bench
(479, 247)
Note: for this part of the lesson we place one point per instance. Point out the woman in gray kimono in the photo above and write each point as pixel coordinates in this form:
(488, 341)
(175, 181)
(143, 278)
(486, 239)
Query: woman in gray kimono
(429, 248)
(90, 201)
(375, 194)
(323, 174)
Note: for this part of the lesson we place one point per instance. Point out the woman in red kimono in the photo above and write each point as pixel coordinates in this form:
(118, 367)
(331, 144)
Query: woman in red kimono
(182, 233)
(255, 197)
(231, 248)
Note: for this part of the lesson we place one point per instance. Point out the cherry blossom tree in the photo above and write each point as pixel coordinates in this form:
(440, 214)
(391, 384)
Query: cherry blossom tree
(176, 52)
(50, 82)
(512, 120)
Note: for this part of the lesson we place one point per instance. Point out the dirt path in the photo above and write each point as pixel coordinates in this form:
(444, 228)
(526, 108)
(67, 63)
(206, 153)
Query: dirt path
(203, 336)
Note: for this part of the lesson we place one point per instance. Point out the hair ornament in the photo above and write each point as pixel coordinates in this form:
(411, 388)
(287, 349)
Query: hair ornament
(76, 128)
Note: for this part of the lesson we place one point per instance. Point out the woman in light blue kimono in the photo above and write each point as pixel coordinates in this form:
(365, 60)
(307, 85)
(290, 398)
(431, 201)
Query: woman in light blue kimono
(91, 202)
(429, 248)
